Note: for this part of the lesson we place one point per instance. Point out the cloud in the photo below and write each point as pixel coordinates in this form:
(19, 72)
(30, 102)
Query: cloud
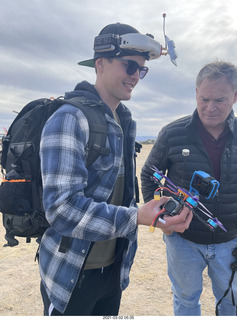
(42, 41)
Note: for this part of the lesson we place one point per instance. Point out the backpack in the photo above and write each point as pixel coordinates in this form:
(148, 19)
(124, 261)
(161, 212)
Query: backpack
(21, 188)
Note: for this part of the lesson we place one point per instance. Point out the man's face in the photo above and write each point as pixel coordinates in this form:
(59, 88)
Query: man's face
(115, 84)
(215, 99)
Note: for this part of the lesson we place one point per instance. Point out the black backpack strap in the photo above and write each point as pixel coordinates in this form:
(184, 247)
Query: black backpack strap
(98, 132)
(138, 147)
(97, 127)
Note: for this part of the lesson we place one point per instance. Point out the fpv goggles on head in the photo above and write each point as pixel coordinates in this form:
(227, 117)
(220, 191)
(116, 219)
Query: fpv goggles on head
(129, 42)
(136, 42)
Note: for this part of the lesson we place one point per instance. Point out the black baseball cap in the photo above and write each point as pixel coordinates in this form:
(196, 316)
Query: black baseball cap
(106, 44)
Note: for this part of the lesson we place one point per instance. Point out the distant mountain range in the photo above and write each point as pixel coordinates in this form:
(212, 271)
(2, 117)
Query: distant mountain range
(145, 138)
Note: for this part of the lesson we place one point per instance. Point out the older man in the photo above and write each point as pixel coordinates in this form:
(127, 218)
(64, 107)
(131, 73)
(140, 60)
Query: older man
(210, 134)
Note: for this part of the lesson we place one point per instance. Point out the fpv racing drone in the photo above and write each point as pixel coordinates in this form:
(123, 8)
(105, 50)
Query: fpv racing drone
(201, 184)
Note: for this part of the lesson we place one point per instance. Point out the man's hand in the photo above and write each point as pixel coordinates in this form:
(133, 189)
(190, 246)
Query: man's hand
(178, 223)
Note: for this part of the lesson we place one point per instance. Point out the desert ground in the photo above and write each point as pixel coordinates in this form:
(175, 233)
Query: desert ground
(148, 294)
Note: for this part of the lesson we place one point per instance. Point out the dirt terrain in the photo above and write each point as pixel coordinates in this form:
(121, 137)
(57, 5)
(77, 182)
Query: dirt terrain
(148, 294)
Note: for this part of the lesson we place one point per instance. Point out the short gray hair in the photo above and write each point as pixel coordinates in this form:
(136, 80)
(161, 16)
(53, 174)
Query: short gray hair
(217, 70)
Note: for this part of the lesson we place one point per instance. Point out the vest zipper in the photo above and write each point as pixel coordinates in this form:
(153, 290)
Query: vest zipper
(228, 155)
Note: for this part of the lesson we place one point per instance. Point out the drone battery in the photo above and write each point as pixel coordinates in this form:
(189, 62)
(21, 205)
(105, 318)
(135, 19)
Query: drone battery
(172, 207)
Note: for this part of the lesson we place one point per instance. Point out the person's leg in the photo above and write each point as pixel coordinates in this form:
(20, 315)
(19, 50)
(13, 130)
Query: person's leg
(110, 295)
(185, 267)
(46, 301)
(219, 270)
(97, 292)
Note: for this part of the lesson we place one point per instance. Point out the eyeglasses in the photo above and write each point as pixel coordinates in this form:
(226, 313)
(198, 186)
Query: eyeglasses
(132, 67)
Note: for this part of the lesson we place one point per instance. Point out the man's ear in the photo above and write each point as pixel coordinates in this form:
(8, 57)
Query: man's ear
(196, 93)
(235, 96)
(99, 64)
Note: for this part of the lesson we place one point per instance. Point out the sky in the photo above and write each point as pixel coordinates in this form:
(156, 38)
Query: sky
(41, 42)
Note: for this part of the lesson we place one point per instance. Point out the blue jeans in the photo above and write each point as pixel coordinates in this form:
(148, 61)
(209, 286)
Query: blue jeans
(186, 262)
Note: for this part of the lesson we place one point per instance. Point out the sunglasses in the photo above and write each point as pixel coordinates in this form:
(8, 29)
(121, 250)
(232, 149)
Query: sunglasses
(132, 67)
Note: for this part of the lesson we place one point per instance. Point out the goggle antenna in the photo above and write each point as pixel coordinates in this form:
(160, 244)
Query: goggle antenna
(164, 16)
(169, 45)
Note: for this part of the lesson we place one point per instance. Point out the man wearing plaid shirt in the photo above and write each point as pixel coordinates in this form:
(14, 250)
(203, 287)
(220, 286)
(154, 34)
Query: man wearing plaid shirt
(94, 207)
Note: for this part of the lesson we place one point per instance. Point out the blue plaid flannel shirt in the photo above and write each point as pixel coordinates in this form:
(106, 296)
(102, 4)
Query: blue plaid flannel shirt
(74, 198)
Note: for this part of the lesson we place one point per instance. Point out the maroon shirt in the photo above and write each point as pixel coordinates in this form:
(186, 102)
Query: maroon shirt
(214, 147)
